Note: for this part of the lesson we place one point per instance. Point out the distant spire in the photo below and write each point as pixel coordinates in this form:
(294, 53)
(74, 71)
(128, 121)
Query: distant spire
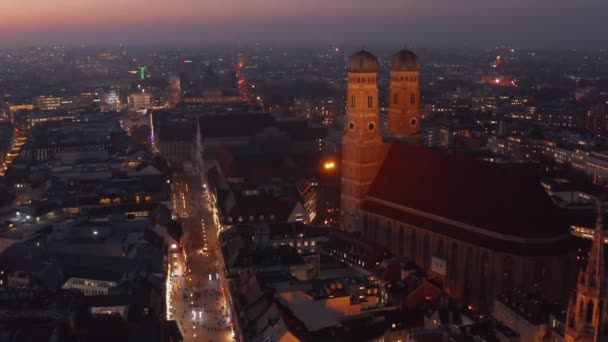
(595, 264)
(599, 244)
(600, 279)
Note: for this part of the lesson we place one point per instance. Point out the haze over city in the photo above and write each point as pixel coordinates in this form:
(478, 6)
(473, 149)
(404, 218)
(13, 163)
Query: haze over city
(303, 170)
(427, 23)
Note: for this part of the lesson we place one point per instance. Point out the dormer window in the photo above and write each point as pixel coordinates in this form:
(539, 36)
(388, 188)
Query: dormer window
(250, 218)
(229, 219)
(240, 218)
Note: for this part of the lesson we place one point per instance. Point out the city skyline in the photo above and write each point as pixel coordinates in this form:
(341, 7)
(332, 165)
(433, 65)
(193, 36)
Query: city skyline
(473, 23)
(267, 170)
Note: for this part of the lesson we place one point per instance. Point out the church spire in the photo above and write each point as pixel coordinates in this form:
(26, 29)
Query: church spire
(594, 273)
(587, 319)
(597, 251)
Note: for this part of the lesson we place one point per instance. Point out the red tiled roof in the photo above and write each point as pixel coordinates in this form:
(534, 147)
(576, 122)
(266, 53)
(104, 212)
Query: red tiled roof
(264, 167)
(505, 199)
(555, 248)
(426, 292)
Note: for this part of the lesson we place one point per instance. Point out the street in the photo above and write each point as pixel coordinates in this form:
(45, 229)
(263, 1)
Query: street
(197, 302)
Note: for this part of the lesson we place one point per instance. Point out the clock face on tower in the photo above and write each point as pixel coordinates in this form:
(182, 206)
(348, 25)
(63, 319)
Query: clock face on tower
(413, 122)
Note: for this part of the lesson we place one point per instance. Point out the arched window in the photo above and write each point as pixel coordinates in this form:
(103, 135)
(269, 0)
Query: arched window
(468, 274)
(507, 273)
(374, 229)
(540, 271)
(600, 309)
(387, 241)
(453, 265)
(439, 248)
(412, 98)
(370, 102)
(426, 250)
(485, 275)
(589, 311)
(395, 98)
(352, 101)
(413, 251)
(402, 241)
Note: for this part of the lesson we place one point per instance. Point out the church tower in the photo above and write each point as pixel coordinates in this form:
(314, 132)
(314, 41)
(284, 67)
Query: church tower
(362, 148)
(587, 318)
(404, 100)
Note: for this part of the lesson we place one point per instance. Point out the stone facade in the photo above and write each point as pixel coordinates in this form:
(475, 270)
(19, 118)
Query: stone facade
(472, 273)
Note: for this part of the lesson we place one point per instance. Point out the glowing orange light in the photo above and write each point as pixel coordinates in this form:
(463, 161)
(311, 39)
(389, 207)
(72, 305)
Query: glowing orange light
(330, 165)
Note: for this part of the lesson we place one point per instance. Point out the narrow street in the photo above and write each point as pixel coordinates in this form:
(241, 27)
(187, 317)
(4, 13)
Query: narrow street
(198, 305)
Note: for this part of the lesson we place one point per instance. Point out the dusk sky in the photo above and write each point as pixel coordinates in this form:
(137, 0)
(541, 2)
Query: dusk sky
(526, 23)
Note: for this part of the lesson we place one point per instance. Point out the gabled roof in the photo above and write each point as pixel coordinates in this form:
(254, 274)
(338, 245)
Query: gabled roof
(502, 199)
(273, 209)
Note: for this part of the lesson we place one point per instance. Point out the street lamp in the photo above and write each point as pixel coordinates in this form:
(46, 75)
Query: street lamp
(329, 165)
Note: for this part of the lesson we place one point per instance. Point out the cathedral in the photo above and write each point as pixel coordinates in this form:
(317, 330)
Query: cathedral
(587, 318)
(477, 228)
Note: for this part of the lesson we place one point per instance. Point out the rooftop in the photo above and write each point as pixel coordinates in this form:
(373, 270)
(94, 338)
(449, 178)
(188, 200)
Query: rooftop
(502, 201)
